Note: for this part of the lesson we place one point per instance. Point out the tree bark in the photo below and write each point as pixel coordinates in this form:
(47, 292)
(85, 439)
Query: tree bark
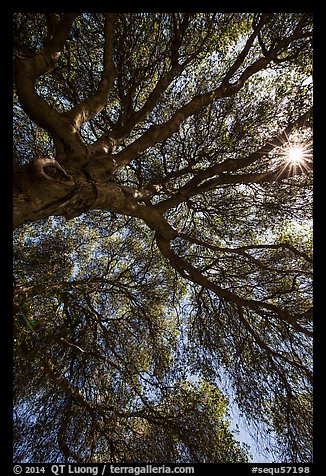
(38, 195)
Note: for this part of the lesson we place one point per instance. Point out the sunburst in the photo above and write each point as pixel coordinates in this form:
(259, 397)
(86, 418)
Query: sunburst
(295, 157)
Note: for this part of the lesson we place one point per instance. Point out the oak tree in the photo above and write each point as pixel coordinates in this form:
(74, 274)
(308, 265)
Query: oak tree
(162, 213)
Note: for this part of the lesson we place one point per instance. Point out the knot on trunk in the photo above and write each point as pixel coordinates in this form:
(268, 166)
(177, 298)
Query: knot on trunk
(41, 163)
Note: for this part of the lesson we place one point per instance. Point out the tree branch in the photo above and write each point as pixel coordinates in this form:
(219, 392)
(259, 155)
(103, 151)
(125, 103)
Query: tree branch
(191, 273)
(223, 169)
(242, 251)
(94, 104)
(26, 71)
(242, 55)
(159, 133)
(122, 130)
(60, 35)
(281, 173)
(272, 353)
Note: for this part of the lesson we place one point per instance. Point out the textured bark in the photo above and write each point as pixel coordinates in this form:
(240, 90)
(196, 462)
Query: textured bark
(38, 195)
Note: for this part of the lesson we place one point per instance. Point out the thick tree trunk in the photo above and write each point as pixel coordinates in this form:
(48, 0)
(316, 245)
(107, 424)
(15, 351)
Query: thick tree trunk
(43, 188)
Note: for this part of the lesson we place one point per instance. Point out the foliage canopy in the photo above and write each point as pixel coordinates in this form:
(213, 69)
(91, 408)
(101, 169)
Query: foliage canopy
(162, 251)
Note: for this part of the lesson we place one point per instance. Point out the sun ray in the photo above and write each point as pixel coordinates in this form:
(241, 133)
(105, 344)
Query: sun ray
(295, 156)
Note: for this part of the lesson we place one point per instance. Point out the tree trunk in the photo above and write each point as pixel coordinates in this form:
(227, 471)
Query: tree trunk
(43, 188)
